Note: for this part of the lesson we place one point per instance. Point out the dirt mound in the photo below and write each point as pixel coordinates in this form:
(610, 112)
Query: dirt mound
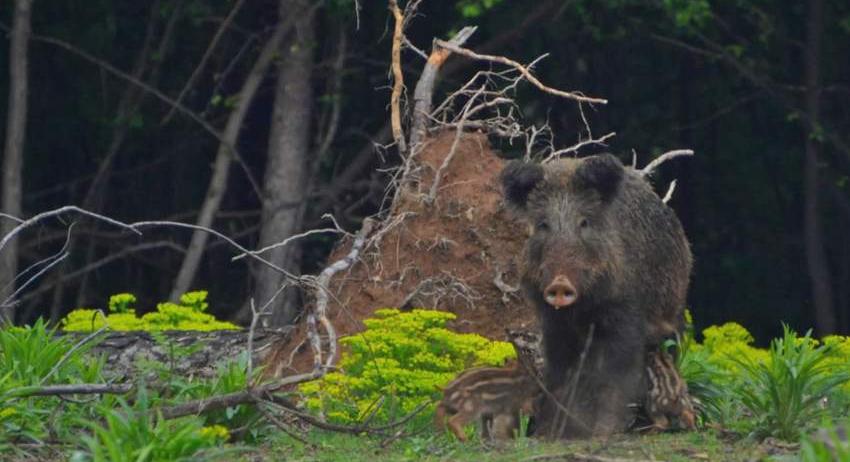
(459, 253)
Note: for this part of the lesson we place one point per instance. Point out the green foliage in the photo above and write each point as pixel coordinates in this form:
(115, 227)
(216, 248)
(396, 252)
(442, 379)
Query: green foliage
(230, 377)
(688, 13)
(399, 362)
(30, 357)
(826, 445)
(786, 392)
(120, 303)
(773, 392)
(474, 8)
(188, 315)
(131, 433)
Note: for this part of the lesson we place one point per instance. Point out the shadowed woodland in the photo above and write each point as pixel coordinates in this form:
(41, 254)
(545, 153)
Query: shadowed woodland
(131, 110)
(330, 191)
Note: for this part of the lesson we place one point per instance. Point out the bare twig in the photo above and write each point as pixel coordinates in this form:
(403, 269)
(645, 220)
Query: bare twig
(97, 264)
(288, 240)
(652, 166)
(68, 208)
(319, 311)
(579, 457)
(522, 69)
(424, 90)
(255, 319)
(279, 424)
(49, 262)
(10, 217)
(670, 190)
(575, 148)
(398, 79)
(438, 175)
(72, 389)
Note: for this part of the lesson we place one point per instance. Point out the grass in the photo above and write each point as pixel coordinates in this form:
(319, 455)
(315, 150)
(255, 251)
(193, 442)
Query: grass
(674, 447)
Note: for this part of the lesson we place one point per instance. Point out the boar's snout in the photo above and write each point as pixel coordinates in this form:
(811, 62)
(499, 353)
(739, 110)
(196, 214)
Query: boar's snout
(560, 293)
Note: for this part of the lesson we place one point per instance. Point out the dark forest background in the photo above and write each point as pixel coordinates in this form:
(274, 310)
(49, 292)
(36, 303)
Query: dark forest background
(759, 89)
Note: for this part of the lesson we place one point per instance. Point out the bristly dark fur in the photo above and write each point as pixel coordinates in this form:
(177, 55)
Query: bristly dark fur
(604, 173)
(600, 225)
(518, 180)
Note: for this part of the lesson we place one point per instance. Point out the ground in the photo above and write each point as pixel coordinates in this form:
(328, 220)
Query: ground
(708, 445)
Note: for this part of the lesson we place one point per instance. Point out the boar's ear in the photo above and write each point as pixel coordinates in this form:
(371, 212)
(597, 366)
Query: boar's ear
(602, 173)
(518, 180)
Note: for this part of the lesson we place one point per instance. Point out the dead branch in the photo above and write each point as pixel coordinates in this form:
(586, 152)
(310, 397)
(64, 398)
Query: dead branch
(322, 284)
(72, 389)
(233, 399)
(97, 264)
(670, 190)
(288, 240)
(424, 90)
(519, 67)
(267, 413)
(575, 148)
(52, 213)
(504, 287)
(398, 79)
(287, 405)
(48, 263)
(579, 457)
(432, 193)
(650, 168)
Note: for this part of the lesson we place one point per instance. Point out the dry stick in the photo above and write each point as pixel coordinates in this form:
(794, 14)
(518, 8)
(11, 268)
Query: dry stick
(574, 148)
(432, 194)
(289, 407)
(423, 93)
(288, 240)
(207, 54)
(255, 318)
(279, 424)
(51, 213)
(237, 246)
(51, 261)
(73, 389)
(522, 69)
(579, 457)
(10, 217)
(670, 190)
(652, 166)
(398, 79)
(97, 264)
(134, 227)
(322, 285)
(232, 399)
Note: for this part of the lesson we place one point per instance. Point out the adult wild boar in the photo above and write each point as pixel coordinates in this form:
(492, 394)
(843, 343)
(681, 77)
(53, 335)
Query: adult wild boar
(606, 267)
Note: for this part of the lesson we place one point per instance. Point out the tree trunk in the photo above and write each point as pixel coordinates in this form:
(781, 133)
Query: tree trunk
(13, 155)
(223, 159)
(818, 265)
(287, 167)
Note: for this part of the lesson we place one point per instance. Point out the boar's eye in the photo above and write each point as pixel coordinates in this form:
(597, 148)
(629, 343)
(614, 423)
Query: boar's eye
(541, 226)
(583, 223)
